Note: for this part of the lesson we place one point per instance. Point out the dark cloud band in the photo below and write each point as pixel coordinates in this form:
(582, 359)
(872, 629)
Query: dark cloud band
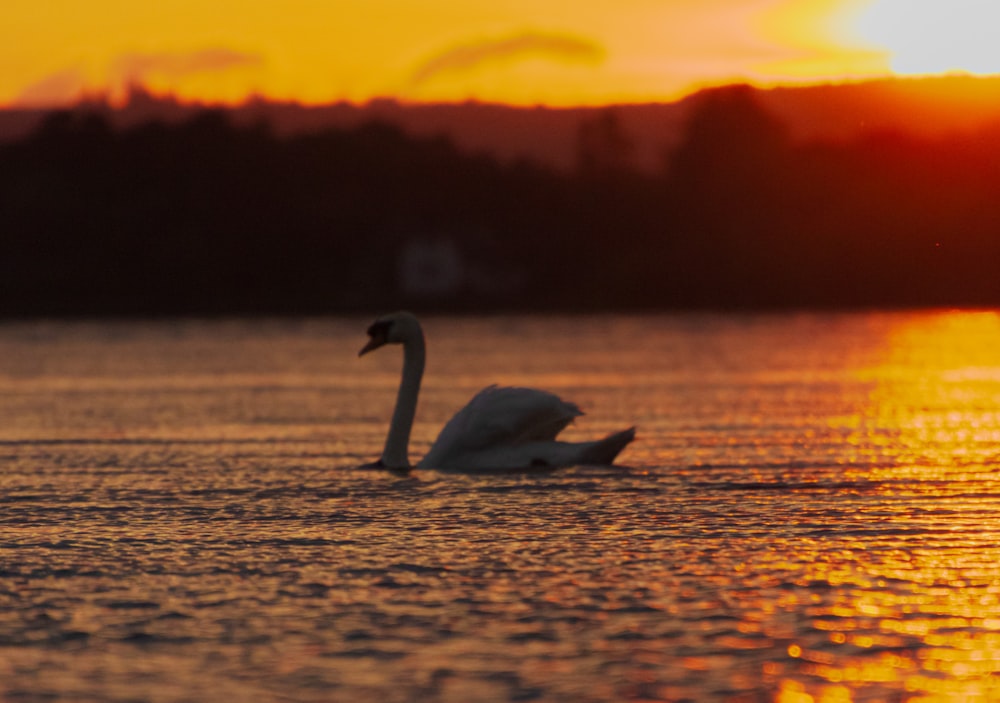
(558, 47)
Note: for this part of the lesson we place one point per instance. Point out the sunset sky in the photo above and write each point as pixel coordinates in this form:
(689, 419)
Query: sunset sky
(554, 52)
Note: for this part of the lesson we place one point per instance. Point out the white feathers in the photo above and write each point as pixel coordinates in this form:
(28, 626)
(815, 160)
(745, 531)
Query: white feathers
(500, 417)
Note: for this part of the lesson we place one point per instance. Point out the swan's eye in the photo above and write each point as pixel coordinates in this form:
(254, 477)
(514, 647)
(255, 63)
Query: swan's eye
(379, 328)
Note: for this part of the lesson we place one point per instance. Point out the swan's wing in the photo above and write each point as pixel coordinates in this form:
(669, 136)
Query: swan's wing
(499, 417)
(508, 415)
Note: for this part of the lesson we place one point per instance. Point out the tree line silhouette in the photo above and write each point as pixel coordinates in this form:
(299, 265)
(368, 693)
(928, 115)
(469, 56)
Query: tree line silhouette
(205, 217)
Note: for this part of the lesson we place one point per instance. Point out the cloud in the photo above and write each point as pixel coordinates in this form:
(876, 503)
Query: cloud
(57, 89)
(130, 69)
(466, 57)
(69, 85)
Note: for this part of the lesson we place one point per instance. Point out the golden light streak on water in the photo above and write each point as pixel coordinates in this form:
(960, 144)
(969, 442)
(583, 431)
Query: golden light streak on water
(918, 606)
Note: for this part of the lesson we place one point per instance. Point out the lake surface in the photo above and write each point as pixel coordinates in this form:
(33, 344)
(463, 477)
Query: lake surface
(810, 513)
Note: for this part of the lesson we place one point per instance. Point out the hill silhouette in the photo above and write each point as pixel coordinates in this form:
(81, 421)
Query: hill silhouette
(214, 212)
(921, 106)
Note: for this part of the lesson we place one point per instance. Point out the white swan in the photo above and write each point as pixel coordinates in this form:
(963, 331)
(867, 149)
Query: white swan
(500, 428)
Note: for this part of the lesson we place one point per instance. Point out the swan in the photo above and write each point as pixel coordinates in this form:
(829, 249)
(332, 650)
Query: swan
(501, 428)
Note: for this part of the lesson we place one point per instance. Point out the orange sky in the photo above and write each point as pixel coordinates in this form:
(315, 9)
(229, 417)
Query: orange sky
(555, 52)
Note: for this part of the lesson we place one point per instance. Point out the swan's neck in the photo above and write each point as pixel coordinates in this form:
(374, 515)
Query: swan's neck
(396, 452)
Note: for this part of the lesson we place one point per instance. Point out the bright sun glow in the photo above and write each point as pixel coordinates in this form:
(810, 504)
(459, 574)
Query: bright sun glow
(936, 36)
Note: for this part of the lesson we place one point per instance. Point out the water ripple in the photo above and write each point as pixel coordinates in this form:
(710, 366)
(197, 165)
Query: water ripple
(810, 514)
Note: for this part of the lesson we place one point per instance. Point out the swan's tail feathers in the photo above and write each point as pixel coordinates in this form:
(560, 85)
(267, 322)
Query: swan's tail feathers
(603, 451)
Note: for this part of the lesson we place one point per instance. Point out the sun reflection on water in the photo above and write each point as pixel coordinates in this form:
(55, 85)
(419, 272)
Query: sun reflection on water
(909, 607)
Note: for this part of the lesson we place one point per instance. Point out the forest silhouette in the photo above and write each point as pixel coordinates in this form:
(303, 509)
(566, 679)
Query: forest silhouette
(206, 217)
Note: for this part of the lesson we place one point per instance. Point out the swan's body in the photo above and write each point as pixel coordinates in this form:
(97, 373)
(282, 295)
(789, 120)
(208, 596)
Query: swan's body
(501, 428)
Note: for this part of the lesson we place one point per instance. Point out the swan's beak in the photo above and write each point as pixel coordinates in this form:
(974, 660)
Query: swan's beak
(376, 341)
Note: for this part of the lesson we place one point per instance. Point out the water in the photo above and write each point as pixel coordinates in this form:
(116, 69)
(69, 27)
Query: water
(810, 513)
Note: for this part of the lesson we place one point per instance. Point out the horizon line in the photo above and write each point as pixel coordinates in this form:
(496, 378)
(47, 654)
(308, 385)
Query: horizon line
(122, 98)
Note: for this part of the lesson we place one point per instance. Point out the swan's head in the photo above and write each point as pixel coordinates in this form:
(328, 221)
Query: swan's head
(394, 328)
